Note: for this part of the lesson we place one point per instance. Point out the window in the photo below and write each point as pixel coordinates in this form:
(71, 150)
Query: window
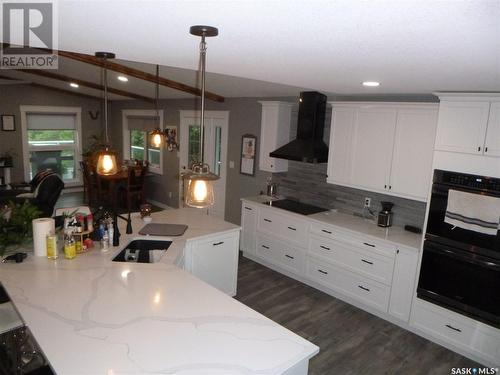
(137, 128)
(52, 140)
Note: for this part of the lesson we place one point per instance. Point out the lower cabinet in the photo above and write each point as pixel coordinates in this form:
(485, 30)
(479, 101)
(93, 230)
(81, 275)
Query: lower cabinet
(457, 330)
(248, 227)
(214, 260)
(364, 290)
(403, 283)
(281, 253)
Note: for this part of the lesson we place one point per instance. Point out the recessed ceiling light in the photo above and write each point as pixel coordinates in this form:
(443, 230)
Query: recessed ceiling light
(73, 84)
(371, 83)
(123, 78)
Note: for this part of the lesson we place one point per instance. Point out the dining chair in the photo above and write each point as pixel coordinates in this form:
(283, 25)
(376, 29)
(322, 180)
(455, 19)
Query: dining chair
(91, 189)
(134, 189)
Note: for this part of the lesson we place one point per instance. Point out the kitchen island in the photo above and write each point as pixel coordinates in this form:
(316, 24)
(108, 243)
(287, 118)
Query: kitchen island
(94, 316)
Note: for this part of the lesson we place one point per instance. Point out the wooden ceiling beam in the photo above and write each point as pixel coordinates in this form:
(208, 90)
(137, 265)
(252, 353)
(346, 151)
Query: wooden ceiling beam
(63, 78)
(132, 72)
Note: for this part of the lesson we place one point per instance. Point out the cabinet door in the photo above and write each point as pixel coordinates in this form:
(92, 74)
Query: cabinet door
(413, 150)
(492, 143)
(372, 147)
(215, 261)
(339, 155)
(462, 126)
(274, 133)
(403, 283)
(248, 227)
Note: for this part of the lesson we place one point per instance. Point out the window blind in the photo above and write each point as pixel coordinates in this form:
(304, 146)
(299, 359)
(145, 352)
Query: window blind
(42, 121)
(142, 123)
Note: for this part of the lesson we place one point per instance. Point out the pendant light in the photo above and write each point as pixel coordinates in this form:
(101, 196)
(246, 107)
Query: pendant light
(200, 190)
(157, 135)
(106, 161)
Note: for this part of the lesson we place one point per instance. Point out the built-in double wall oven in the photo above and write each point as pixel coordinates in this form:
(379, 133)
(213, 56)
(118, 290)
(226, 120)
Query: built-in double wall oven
(460, 267)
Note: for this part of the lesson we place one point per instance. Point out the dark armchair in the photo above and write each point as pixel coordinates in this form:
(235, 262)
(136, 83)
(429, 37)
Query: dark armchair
(46, 188)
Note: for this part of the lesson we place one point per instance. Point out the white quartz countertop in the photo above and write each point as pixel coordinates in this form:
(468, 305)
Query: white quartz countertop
(394, 234)
(94, 316)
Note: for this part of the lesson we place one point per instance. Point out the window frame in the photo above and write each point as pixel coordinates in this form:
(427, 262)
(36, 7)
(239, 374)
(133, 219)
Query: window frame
(126, 113)
(58, 110)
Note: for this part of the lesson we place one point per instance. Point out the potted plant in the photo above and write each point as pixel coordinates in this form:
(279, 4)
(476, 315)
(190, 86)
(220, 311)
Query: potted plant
(16, 227)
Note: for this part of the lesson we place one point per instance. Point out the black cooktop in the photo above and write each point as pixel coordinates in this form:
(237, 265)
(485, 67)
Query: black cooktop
(295, 206)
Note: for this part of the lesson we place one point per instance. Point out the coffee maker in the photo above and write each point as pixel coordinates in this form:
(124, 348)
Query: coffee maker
(385, 215)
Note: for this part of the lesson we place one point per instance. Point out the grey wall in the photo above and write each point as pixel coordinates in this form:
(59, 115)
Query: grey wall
(244, 117)
(13, 96)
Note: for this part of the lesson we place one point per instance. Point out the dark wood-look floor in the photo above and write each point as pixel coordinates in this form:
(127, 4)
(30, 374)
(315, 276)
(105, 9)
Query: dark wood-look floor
(351, 340)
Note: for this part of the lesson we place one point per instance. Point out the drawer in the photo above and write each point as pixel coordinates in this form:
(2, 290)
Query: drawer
(372, 265)
(281, 254)
(285, 227)
(363, 242)
(367, 291)
(457, 330)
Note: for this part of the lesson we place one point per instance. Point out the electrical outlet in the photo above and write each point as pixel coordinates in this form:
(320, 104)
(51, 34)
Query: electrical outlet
(368, 202)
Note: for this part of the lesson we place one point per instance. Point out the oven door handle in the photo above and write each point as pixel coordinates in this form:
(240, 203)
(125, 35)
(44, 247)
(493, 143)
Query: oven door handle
(464, 256)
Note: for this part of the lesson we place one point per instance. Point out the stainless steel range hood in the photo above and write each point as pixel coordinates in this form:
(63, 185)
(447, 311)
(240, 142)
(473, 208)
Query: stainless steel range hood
(309, 146)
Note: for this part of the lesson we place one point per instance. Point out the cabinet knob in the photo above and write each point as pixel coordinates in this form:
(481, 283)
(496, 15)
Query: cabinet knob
(385, 186)
(479, 148)
(390, 187)
(486, 149)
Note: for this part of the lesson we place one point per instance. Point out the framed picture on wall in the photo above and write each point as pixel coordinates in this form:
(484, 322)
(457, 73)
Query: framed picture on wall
(171, 138)
(8, 123)
(248, 149)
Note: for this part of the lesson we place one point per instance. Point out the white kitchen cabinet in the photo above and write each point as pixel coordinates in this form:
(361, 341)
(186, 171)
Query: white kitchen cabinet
(274, 133)
(287, 227)
(411, 166)
(215, 260)
(403, 283)
(462, 126)
(455, 329)
(383, 147)
(492, 141)
(372, 146)
(249, 226)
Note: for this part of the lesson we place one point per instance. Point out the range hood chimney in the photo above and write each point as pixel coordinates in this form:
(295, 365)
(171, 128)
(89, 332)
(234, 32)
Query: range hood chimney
(309, 146)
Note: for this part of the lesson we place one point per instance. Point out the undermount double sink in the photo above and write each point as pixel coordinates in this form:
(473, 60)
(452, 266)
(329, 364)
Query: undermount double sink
(143, 251)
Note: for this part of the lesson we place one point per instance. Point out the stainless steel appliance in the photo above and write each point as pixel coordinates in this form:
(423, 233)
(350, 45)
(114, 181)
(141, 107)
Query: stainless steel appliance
(272, 189)
(385, 215)
(460, 268)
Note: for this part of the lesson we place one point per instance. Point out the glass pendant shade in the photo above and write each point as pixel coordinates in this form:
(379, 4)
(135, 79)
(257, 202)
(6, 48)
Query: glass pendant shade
(106, 163)
(200, 188)
(157, 138)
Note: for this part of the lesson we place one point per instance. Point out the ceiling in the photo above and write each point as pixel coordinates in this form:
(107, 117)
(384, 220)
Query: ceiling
(278, 47)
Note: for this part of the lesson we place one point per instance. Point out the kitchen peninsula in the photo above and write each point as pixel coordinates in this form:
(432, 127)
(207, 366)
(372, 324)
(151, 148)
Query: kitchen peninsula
(94, 316)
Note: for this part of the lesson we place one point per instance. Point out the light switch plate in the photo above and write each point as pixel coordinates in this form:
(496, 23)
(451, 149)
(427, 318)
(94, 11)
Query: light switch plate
(231, 164)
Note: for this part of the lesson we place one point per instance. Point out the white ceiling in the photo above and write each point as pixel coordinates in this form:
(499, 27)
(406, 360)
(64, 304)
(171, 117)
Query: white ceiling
(411, 47)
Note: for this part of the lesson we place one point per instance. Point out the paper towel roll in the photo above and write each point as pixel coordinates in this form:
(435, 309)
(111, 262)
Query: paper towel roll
(42, 227)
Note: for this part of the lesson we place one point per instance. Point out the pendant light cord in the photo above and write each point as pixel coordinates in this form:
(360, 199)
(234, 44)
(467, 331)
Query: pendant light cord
(203, 52)
(157, 101)
(106, 99)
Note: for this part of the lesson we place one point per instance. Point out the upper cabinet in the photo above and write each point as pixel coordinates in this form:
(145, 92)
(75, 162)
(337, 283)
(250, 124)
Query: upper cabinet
(383, 147)
(469, 124)
(274, 133)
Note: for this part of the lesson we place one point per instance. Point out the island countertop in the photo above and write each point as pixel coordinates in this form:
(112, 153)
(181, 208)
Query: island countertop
(94, 316)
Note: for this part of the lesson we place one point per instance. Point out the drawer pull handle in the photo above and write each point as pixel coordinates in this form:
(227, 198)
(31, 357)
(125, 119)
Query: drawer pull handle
(453, 328)
(217, 243)
(248, 208)
(324, 247)
(269, 221)
(265, 247)
(323, 272)
(289, 256)
(292, 228)
(368, 244)
(362, 287)
(326, 231)
(366, 261)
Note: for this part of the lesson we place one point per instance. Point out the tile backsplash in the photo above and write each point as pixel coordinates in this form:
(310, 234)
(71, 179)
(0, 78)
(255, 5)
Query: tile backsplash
(307, 183)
